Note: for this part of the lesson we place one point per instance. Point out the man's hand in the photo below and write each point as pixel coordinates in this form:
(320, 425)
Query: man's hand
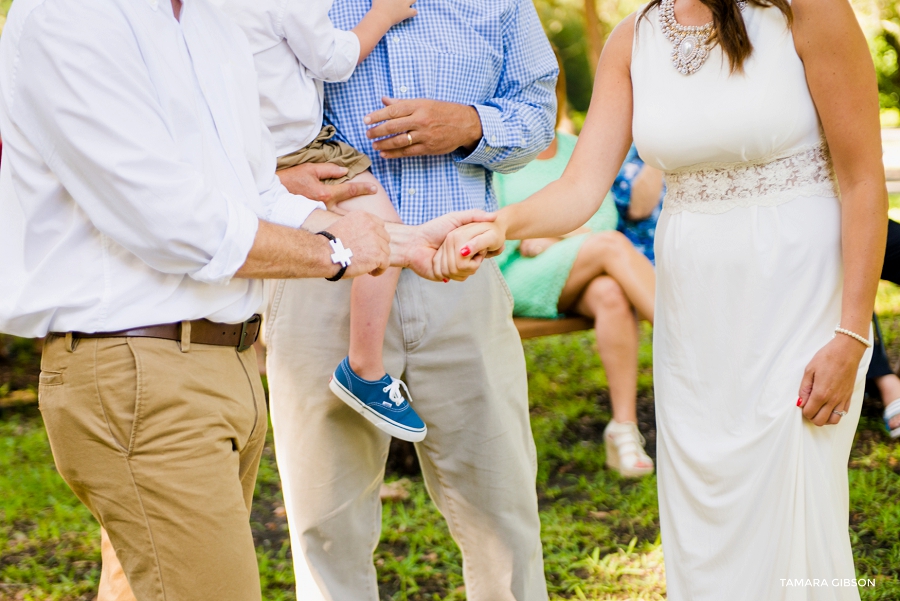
(307, 180)
(364, 234)
(416, 247)
(423, 127)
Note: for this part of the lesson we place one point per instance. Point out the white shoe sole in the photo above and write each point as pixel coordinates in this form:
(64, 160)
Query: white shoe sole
(376, 419)
(614, 462)
(891, 411)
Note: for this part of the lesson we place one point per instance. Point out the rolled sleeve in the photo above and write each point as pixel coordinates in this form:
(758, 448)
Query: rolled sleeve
(231, 255)
(292, 211)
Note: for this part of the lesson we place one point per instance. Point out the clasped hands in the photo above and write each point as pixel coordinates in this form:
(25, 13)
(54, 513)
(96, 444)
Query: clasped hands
(450, 247)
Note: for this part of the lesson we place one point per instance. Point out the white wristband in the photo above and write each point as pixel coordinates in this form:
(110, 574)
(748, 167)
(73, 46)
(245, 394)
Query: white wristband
(854, 335)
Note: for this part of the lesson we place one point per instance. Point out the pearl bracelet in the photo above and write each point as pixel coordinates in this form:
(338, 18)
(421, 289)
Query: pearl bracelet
(854, 335)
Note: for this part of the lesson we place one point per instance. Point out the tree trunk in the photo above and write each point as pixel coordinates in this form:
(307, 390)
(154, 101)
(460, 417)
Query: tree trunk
(596, 32)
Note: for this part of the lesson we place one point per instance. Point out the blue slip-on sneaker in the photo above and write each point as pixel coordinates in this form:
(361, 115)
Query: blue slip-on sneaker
(380, 402)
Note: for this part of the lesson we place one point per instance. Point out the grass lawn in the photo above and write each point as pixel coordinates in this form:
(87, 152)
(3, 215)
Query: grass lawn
(601, 533)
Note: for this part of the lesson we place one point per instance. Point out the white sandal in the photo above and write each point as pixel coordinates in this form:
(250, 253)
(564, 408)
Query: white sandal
(891, 411)
(625, 450)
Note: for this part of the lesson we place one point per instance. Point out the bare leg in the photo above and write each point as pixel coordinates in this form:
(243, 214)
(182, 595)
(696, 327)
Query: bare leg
(612, 254)
(371, 297)
(889, 387)
(113, 583)
(617, 342)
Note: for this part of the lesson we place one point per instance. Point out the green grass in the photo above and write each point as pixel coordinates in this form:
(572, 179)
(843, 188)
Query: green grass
(600, 532)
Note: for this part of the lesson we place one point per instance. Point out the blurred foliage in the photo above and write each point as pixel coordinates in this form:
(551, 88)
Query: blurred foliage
(566, 25)
(565, 22)
(880, 20)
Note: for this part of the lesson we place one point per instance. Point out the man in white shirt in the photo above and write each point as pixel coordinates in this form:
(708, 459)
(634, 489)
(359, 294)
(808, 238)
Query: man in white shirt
(138, 209)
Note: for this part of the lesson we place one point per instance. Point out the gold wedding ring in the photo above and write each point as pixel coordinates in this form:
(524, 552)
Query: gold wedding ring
(409, 137)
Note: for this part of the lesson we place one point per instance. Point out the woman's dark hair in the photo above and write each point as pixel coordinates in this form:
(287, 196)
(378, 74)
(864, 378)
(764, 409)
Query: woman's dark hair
(728, 26)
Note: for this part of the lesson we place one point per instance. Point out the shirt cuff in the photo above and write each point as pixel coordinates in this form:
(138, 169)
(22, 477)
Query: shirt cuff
(231, 255)
(346, 56)
(493, 139)
(293, 210)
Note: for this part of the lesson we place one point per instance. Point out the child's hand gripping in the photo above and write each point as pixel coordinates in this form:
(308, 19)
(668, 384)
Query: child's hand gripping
(466, 247)
(395, 11)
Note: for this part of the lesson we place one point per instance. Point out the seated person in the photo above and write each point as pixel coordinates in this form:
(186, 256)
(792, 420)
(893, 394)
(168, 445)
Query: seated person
(880, 374)
(596, 272)
(638, 192)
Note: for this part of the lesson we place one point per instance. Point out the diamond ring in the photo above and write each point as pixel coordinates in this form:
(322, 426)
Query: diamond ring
(840, 413)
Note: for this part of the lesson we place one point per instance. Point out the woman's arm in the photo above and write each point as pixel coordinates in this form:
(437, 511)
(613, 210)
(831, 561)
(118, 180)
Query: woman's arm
(567, 203)
(646, 189)
(842, 81)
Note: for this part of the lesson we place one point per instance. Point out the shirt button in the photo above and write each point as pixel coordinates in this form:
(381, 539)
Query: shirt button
(403, 88)
(412, 191)
(395, 38)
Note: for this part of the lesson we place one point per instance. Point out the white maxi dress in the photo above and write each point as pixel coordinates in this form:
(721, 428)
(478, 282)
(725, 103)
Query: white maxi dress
(753, 499)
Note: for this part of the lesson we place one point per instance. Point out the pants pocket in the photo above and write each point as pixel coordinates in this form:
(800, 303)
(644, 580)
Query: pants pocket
(118, 388)
(48, 383)
(503, 285)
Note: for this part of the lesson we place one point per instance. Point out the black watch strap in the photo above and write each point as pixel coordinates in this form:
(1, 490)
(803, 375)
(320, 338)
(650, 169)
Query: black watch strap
(343, 269)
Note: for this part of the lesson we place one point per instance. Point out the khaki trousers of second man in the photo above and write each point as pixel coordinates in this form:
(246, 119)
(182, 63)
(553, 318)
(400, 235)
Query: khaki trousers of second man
(163, 446)
(456, 347)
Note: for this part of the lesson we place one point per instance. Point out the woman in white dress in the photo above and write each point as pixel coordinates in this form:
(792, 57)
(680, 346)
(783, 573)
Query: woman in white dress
(756, 111)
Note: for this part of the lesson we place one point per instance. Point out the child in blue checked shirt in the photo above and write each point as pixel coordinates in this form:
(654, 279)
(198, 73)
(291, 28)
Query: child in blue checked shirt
(296, 48)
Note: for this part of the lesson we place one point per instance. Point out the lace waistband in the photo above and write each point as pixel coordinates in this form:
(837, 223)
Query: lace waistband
(717, 188)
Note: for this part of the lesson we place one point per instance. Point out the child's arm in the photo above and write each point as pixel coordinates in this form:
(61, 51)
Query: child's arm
(383, 15)
(329, 53)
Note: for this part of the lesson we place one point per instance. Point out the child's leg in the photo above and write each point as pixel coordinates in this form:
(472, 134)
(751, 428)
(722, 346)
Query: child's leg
(371, 297)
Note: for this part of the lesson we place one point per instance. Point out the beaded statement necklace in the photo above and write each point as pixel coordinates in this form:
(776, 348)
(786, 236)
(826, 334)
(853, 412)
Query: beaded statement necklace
(690, 43)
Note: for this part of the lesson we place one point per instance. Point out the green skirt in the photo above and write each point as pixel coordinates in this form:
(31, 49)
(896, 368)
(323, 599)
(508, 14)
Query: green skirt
(537, 282)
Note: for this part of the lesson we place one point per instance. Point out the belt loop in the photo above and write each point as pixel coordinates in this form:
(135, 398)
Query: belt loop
(185, 336)
(70, 342)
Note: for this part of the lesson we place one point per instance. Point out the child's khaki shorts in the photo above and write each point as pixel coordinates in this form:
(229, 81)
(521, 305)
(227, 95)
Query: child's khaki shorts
(326, 150)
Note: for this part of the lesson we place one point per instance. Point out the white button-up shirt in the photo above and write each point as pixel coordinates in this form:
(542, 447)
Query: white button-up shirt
(296, 48)
(135, 167)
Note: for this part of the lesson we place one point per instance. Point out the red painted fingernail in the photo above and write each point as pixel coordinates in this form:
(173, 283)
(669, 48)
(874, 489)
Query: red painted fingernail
(446, 280)
(799, 401)
(466, 251)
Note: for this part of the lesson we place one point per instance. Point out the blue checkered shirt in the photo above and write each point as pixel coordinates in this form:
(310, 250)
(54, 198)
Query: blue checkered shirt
(490, 54)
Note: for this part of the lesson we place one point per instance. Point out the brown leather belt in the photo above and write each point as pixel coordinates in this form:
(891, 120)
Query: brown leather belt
(239, 335)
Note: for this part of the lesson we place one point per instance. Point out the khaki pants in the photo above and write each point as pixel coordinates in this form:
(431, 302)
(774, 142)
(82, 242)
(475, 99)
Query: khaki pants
(456, 347)
(163, 447)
